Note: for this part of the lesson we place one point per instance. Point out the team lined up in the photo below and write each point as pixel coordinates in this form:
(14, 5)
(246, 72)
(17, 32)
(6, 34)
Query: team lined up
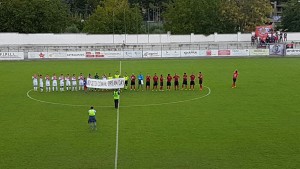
(161, 80)
(70, 82)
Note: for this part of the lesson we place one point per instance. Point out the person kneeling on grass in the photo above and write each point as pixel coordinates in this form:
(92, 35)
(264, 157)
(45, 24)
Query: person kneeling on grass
(92, 118)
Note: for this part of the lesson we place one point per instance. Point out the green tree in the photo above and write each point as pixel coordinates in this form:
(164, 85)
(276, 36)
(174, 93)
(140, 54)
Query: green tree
(82, 7)
(291, 16)
(246, 14)
(114, 16)
(195, 16)
(33, 16)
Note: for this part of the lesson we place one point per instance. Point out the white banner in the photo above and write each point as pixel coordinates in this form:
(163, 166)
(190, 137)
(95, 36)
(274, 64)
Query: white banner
(151, 54)
(170, 53)
(11, 55)
(133, 54)
(106, 84)
(240, 52)
(291, 52)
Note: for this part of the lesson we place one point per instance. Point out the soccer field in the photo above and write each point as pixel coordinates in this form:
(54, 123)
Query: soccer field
(256, 125)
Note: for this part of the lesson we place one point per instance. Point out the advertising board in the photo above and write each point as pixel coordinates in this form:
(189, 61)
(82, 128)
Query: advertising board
(112, 54)
(225, 52)
(259, 52)
(133, 54)
(292, 52)
(151, 54)
(56, 55)
(170, 53)
(240, 52)
(212, 53)
(11, 55)
(276, 49)
(94, 54)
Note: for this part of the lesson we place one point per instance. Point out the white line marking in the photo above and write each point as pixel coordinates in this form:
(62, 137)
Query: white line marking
(117, 139)
(141, 105)
(117, 128)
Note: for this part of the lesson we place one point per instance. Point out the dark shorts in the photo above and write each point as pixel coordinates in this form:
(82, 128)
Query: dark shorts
(92, 119)
(147, 83)
(234, 79)
(184, 82)
(200, 81)
(140, 82)
(155, 84)
(168, 83)
(126, 82)
(161, 83)
(132, 83)
(176, 83)
(192, 83)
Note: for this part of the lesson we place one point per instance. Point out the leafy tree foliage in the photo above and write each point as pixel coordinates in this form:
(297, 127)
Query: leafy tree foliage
(195, 16)
(33, 16)
(114, 17)
(291, 16)
(82, 7)
(246, 14)
(205, 17)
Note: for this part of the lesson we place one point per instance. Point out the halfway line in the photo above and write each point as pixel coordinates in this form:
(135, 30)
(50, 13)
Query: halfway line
(117, 128)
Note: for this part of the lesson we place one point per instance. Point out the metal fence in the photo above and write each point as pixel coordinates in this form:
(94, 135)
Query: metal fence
(132, 47)
(127, 47)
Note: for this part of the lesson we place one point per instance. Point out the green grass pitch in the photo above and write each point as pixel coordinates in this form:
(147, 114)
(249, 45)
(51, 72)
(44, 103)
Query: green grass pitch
(256, 125)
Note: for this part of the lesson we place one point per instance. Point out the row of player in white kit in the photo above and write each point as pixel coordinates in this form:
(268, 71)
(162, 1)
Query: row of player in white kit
(62, 79)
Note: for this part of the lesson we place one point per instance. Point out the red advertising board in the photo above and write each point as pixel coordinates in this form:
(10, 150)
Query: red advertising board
(224, 53)
(94, 54)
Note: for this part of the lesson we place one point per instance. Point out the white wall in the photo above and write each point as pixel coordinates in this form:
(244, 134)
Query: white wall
(69, 39)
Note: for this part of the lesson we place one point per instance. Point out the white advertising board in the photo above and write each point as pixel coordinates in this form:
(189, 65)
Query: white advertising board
(259, 52)
(151, 54)
(212, 53)
(56, 55)
(133, 54)
(190, 53)
(93, 54)
(76, 55)
(170, 53)
(292, 52)
(11, 55)
(37, 55)
(112, 54)
(240, 52)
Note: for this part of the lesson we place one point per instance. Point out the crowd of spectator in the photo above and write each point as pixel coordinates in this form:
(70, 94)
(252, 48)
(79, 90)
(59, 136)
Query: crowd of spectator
(276, 37)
